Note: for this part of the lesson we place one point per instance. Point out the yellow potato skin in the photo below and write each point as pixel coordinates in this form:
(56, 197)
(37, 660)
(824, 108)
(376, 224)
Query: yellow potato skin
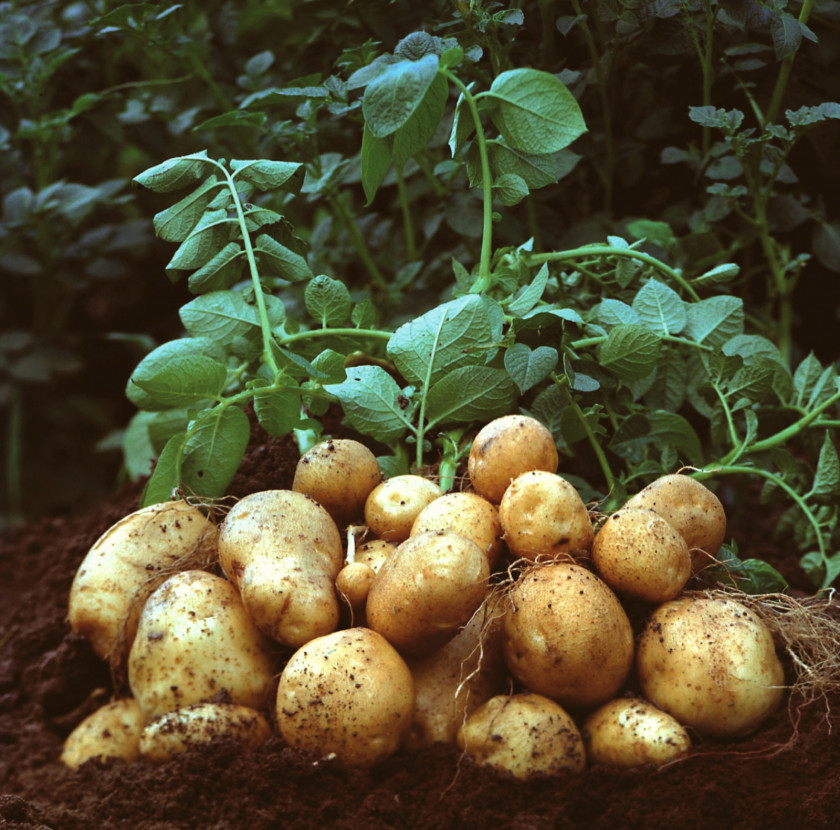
(523, 734)
(348, 693)
(112, 731)
(712, 664)
(629, 732)
(505, 448)
(393, 505)
(639, 555)
(544, 516)
(566, 635)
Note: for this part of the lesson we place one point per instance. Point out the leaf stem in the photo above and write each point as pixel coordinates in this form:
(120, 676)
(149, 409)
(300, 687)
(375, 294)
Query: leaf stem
(784, 72)
(410, 242)
(339, 332)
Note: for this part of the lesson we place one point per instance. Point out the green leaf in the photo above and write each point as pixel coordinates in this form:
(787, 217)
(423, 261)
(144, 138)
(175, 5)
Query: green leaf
(812, 383)
(414, 134)
(214, 450)
(163, 482)
(210, 235)
(826, 244)
(277, 410)
(222, 271)
(463, 124)
(827, 478)
(528, 296)
(511, 189)
(375, 159)
(279, 260)
(220, 316)
(660, 308)
(138, 452)
(363, 315)
(537, 170)
(183, 381)
(615, 313)
(527, 367)
(630, 351)
(786, 32)
(175, 173)
(394, 95)
(535, 111)
(233, 118)
(268, 175)
(176, 223)
(471, 393)
(718, 274)
(328, 301)
(752, 576)
(670, 385)
(659, 233)
(715, 320)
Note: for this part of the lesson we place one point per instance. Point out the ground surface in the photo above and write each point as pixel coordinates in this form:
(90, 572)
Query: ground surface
(782, 777)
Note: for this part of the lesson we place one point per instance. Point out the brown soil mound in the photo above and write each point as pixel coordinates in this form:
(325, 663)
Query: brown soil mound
(786, 775)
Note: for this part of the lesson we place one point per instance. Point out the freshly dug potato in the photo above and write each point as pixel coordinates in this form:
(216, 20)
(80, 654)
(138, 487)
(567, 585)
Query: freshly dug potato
(629, 732)
(374, 552)
(693, 510)
(348, 693)
(505, 448)
(196, 642)
(128, 559)
(566, 635)
(543, 515)
(455, 680)
(174, 732)
(283, 552)
(465, 513)
(712, 664)
(639, 555)
(393, 505)
(339, 474)
(112, 731)
(429, 587)
(524, 734)
(353, 583)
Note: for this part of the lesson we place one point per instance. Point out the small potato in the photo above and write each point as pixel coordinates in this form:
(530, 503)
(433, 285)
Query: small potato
(693, 510)
(374, 552)
(429, 587)
(131, 558)
(712, 664)
(393, 505)
(339, 474)
(353, 583)
(465, 513)
(174, 732)
(112, 731)
(196, 642)
(629, 732)
(544, 516)
(566, 635)
(639, 555)
(347, 694)
(505, 448)
(523, 734)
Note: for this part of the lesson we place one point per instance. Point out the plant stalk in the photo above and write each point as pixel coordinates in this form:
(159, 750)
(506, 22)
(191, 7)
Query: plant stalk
(784, 72)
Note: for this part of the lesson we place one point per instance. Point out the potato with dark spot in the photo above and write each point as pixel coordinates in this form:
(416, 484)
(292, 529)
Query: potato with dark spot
(112, 731)
(393, 505)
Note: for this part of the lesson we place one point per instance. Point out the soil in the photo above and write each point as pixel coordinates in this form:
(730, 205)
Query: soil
(787, 774)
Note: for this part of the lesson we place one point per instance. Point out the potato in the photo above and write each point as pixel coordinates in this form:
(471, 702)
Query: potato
(283, 552)
(629, 732)
(339, 474)
(524, 734)
(112, 731)
(107, 591)
(174, 732)
(693, 510)
(455, 680)
(505, 448)
(194, 644)
(347, 694)
(639, 555)
(429, 587)
(393, 505)
(373, 553)
(465, 513)
(353, 583)
(712, 664)
(543, 515)
(566, 635)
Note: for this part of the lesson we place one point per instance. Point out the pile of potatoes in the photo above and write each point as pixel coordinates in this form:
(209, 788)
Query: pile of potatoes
(353, 616)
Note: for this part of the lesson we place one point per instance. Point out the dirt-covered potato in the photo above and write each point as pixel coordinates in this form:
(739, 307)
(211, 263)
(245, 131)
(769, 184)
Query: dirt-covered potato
(712, 664)
(505, 448)
(339, 474)
(112, 731)
(195, 642)
(639, 555)
(693, 510)
(174, 732)
(348, 694)
(393, 505)
(283, 551)
(374, 552)
(524, 734)
(468, 514)
(629, 732)
(127, 562)
(353, 583)
(429, 587)
(566, 635)
(544, 516)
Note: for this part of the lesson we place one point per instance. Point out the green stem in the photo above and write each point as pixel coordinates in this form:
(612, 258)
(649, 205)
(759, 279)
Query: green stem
(784, 72)
(585, 342)
(410, 243)
(421, 426)
(339, 332)
(358, 241)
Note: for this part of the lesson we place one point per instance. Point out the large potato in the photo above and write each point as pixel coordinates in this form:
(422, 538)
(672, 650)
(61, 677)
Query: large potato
(127, 562)
(505, 448)
(339, 474)
(693, 510)
(428, 588)
(544, 516)
(566, 635)
(712, 664)
(195, 643)
(524, 734)
(348, 693)
(112, 731)
(393, 505)
(283, 552)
